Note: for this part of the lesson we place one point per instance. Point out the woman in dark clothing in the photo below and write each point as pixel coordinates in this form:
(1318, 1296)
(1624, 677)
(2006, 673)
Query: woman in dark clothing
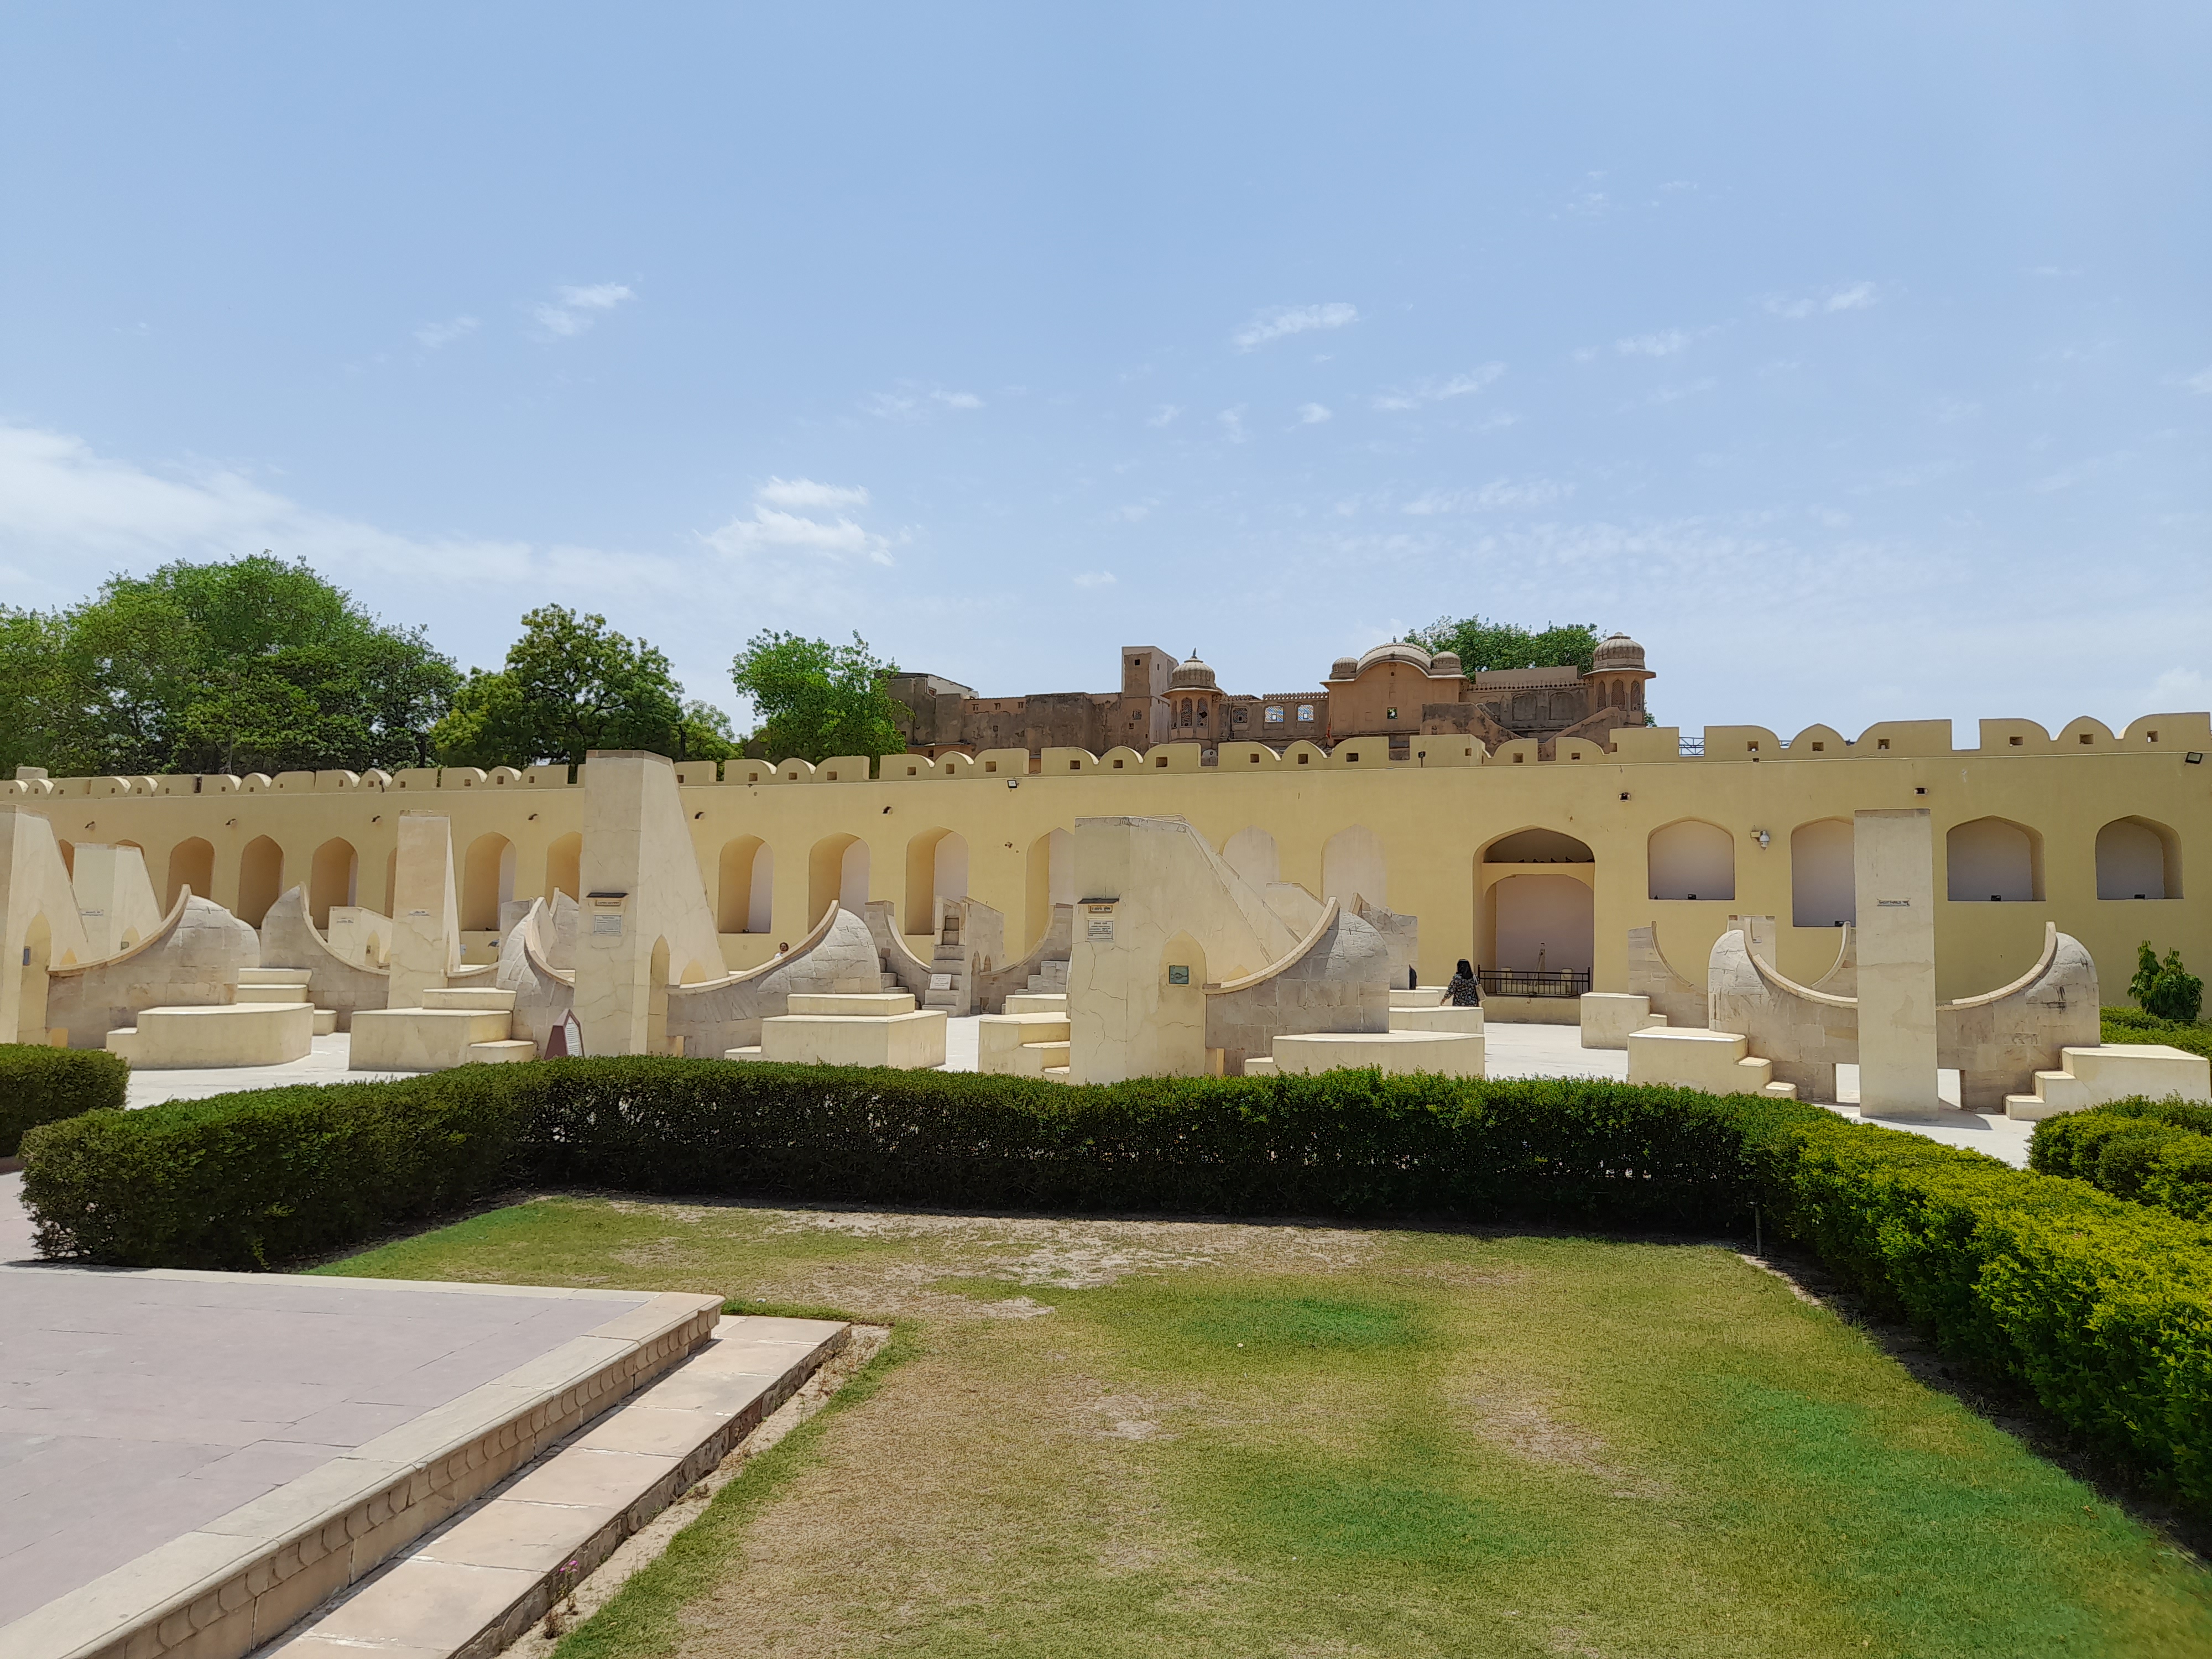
(1463, 992)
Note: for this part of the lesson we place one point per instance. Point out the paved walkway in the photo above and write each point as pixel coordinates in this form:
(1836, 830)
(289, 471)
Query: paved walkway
(135, 1408)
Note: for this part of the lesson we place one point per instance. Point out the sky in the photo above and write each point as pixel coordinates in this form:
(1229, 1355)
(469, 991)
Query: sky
(1857, 360)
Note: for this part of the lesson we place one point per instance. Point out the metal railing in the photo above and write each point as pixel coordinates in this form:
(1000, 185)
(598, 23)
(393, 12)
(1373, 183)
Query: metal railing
(1530, 982)
(1690, 746)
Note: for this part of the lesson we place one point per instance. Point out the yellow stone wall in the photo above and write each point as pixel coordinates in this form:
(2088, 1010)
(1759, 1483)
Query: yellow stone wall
(1432, 813)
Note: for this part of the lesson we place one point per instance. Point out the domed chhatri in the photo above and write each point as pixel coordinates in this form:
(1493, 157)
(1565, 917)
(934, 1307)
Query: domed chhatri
(1617, 651)
(1192, 675)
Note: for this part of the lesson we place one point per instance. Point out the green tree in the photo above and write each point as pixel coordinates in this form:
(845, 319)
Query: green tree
(1484, 644)
(251, 666)
(816, 698)
(571, 684)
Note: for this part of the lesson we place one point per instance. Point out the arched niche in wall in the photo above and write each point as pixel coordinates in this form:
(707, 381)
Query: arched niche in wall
(260, 879)
(333, 877)
(936, 869)
(744, 886)
(1544, 922)
(836, 873)
(1823, 874)
(564, 865)
(191, 864)
(1051, 880)
(1691, 858)
(487, 883)
(1993, 860)
(2138, 858)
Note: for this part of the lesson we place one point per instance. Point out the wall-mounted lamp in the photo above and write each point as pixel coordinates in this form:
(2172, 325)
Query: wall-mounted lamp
(534, 817)
(379, 818)
(887, 812)
(697, 816)
(1762, 838)
(230, 823)
(88, 826)
(1013, 783)
(2193, 758)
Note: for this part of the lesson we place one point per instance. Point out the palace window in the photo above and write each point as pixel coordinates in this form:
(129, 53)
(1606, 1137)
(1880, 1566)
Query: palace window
(1274, 715)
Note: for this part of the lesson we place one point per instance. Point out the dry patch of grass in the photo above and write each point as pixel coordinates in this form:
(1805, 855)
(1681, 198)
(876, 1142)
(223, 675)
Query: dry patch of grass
(1096, 1437)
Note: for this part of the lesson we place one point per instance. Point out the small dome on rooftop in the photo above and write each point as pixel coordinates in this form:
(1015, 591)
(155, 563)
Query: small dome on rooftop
(1191, 674)
(1617, 651)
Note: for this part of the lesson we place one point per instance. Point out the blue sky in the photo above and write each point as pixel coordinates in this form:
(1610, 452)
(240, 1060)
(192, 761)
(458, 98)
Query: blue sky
(1858, 360)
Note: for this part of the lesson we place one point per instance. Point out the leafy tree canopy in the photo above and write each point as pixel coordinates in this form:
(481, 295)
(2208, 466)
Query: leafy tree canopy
(571, 684)
(1484, 644)
(252, 665)
(816, 698)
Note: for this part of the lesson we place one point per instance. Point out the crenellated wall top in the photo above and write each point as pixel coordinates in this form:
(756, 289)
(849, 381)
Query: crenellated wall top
(2188, 735)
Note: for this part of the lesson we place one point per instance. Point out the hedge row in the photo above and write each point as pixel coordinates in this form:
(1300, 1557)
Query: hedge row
(2156, 1152)
(2101, 1308)
(40, 1085)
(2133, 1025)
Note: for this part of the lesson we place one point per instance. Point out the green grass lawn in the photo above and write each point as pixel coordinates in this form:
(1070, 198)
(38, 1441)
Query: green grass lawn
(1105, 1437)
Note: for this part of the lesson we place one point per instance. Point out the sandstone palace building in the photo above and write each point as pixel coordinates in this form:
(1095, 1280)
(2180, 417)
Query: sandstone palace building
(1397, 692)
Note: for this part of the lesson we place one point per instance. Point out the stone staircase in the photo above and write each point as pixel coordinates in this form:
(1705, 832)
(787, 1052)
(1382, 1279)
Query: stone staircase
(1029, 1039)
(284, 987)
(949, 964)
(2113, 1071)
(1050, 979)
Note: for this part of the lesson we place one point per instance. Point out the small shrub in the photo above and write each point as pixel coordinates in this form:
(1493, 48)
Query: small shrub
(40, 1085)
(2165, 990)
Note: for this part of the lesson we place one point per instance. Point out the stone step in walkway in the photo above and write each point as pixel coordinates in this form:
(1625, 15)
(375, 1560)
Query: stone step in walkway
(479, 1583)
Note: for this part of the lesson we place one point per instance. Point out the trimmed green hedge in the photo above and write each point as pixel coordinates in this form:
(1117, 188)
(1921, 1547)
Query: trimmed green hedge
(2125, 1024)
(2156, 1152)
(40, 1085)
(2101, 1308)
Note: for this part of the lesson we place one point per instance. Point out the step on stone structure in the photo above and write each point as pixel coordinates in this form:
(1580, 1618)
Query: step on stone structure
(351, 1468)
(2097, 1075)
(880, 1028)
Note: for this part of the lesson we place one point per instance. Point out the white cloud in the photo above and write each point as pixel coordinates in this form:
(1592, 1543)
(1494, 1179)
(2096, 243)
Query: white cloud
(1432, 392)
(1312, 414)
(1164, 414)
(1281, 320)
(773, 532)
(1135, 512)
(1851, 296)
(69, 517)
(2200, 382)
(1232, 423)
(1497, 495)
(1093, 578)
(432, 336)
(909, 402)
(573, 310)
(804, 493)
(1665, 343)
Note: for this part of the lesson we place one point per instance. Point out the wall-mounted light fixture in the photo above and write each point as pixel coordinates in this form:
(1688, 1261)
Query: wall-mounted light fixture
(1762, 838)
(1013, 783)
